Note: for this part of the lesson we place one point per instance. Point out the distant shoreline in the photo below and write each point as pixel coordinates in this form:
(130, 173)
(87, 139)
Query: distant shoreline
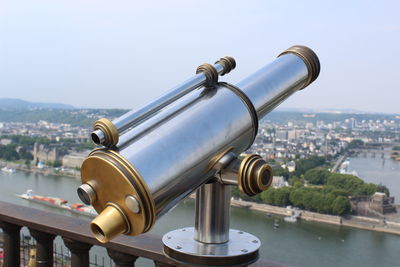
(359, 222)
(34, 169)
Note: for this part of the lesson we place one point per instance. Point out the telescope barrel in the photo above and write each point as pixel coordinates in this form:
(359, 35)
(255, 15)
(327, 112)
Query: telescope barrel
(146, 126)
(294, 69)
(206, 75)
(178, 147)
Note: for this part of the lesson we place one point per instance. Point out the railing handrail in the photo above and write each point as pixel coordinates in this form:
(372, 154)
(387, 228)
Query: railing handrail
(145, 245)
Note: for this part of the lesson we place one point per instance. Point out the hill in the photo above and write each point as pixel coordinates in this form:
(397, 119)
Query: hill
(13, 103)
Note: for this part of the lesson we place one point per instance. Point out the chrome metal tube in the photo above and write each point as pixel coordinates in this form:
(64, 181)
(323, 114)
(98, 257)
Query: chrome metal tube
(135, 117)
(273, 83)
(176, 151)
(174, 148)
(229, 174)
(293, 70)
(173, 157)
(147, 125)
(212, 213)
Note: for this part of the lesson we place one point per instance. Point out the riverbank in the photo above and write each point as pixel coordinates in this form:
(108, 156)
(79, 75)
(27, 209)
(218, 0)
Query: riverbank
(45, 171)
(391, 226)
(326, 244)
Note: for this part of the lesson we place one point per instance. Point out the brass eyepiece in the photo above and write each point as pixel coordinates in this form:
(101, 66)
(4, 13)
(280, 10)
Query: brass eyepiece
(105, 133)
(87, 194)
(110, 223)
(254, 175)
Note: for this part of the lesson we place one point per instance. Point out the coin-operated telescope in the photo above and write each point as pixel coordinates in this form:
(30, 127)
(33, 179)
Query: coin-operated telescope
(189, 139)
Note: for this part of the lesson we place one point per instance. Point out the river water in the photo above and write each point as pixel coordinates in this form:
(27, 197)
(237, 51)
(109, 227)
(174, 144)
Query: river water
(302, 243)
(378, 170)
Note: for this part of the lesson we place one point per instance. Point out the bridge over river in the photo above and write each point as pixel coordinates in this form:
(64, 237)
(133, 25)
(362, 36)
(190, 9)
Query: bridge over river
(374, 150)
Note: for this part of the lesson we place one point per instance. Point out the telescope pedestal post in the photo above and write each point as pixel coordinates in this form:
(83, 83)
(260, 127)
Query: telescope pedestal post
(212, 213)
(211, 242)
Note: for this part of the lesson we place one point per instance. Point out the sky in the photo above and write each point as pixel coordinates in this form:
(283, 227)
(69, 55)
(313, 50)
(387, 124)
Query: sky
(122, 54)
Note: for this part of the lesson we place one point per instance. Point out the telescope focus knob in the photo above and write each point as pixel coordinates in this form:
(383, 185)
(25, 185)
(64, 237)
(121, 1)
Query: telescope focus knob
(254, 176)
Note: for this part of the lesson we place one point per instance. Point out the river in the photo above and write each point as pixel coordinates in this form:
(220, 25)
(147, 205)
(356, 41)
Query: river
(302, 243)
(378, 170)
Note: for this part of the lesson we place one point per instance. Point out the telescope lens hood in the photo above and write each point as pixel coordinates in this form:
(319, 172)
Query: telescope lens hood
(310, 59)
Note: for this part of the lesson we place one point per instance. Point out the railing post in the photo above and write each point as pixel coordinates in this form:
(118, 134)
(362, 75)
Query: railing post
(11, 244)
(122, 259)
(79, 252)
(44, 248)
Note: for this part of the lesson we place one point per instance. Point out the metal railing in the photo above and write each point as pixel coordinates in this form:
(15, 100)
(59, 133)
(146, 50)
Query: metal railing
(44, 227)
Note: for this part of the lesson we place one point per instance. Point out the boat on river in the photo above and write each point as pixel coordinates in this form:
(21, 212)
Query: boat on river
(7, 170)
(292, 218)
(60, 203)
(276, 224)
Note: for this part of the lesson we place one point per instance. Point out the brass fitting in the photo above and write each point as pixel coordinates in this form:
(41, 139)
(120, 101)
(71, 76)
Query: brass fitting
(109, 130)
(110, 223)
(210, 72)
(254, 175)
(128, 204)
(310, 59)
(229, 64)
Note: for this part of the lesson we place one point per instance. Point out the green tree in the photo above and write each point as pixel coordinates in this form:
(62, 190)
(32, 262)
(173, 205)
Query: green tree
(9, 152)
(281, 196)
(268, 196)
(282, 172)
(317, 176)
(365, 190)
(341, 206)
(356, 144)
(308, 200)
(303, 165)
(327, 203)
(383, 189)
(329, 189)
(235, 191)
(295, 181)
(347, 182)
(28, 163)
(25, 154)
(296, 197)
(57, 163)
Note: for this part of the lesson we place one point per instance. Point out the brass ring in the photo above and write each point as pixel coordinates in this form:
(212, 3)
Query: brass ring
(253, 183)
(128, 225)
(310, 59)
(249, 105)
(260, 184)
(229, 64)
(105, 163)
(109, 130)
(145, 196)
(210, 72)
(250, 175)
(247, 175)
(214, 160)
(243, 173)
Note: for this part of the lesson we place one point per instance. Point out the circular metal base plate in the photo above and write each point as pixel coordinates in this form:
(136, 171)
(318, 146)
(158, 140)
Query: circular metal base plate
(241, 249)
